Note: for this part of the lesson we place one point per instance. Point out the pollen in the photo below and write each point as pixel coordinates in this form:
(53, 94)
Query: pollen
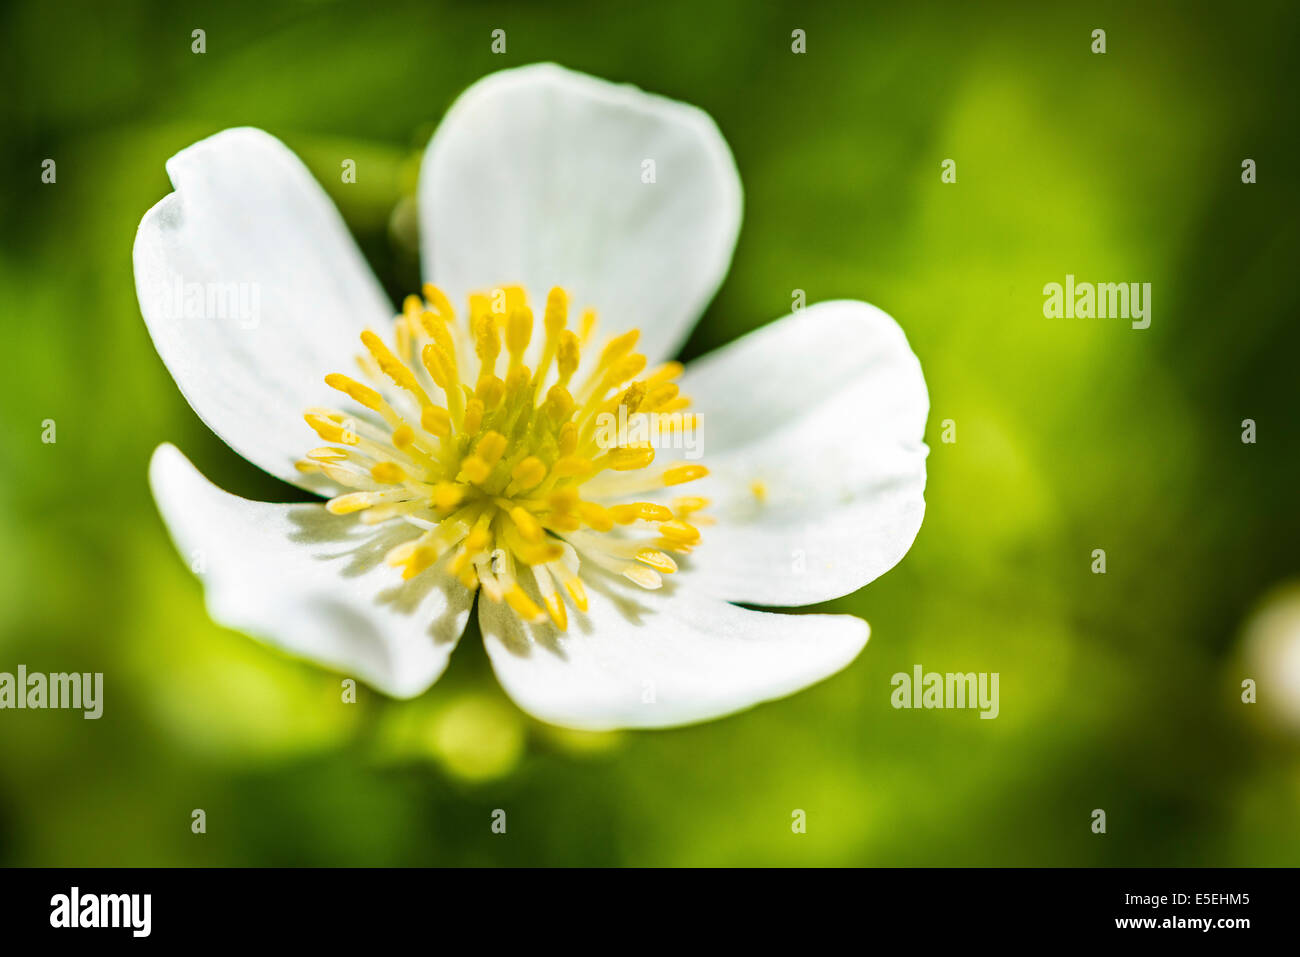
(482, 437)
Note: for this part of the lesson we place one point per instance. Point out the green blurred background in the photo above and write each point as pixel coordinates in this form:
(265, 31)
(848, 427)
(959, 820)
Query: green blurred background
(1118, 691)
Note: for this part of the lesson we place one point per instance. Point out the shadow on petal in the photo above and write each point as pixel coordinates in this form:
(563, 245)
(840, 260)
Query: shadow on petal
(363, 551)
(407, 597)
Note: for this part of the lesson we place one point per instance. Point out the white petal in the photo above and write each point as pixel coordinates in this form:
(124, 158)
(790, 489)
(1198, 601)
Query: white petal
(826, 410)
(247, 218)
(535, 177)
(641, 659)
(312, 583)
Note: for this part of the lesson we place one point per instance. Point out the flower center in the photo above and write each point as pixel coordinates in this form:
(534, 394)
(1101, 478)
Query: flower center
(506, 472)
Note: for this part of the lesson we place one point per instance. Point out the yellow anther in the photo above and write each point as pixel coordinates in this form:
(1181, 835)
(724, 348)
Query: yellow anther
(346, 504)
(659, 394)
(559, 614)
(569, 466)
(577, 592)
(479, 306)
(680, 532)
(490, 391)
(391, 366)
(618, 347)
(519, 332)
(491, 447)
(516, 382)
(633, 397)
(529, 473)
(447, 495)
(564, 523)
(680, 474)
(656, 560)
(473, 415)
(640, 511)
(387, 472)
(523, 606)
(687, 504)
(422, 558)
(587, 323)
(563, 499)
(567, 356)
(645, 577)
(475, 470)
(626, 368)
(355, 390)
(441, 304)
(327, 454)
(557, 310)
(403, 436)
(440, 333)
(331, 430)
(477, 540)
(531, 553)
(559, 404)
(515, 298)
(665, 373)
(627, 459)
(436, 421)
(439, 365)
(597, 516)
(568, 440)
(429, 322)
(487, 341)
(528, 526)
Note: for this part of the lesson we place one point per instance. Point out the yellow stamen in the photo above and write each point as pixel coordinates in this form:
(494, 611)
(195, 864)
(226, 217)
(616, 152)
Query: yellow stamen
(680, 474)
(524, 606)
(388, 472)
(640, 512)
(355, 390)
(501, 474)
(435, 421)
(630, 459)
(434, 296)
(528, 473)
(331, 430)
(393, 367)
(680, 531)
(656, 560)
(447, 495)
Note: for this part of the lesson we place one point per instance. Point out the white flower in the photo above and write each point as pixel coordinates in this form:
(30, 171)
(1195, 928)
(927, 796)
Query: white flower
(593, 612)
